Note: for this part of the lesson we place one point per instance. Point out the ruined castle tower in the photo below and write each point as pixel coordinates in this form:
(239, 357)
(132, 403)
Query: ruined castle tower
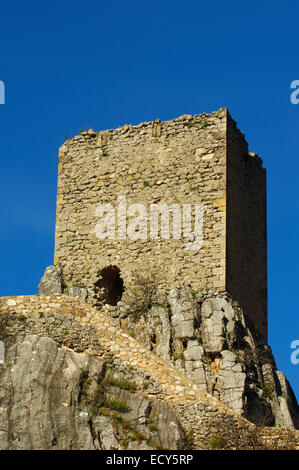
(113, 184)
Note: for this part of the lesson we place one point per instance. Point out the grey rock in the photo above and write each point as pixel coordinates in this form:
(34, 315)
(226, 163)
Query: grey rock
(217, 323)
(183, 311)
(38, 394)
(195, 371)
(105, 430)
(288, 394)
(213, 345)
(283, 402)
(51, 282)
(158, 324)
(194, 352)
(184, 329)
(283, 416)
(231, 382)
(43, 407)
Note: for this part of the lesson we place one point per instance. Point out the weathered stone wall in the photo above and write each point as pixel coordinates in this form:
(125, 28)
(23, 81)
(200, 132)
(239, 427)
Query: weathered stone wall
(175, 162)
(246, 229)
(201, 159)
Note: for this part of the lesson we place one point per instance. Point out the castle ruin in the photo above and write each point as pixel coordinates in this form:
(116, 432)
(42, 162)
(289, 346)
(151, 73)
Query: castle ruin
(213, 192)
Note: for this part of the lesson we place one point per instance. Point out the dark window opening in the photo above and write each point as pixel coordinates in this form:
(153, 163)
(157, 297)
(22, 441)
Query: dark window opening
(110, 286)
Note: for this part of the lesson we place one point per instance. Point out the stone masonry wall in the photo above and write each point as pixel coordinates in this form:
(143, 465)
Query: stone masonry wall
(246, 230)
(176, 162)
(197, 160)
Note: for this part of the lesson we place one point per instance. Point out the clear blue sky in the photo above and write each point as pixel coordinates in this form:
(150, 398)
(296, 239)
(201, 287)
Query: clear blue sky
(69, 65)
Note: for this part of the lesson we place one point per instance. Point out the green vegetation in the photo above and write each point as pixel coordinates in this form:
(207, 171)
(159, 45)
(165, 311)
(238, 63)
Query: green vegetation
(216, 442)
(180, 357)
(104, 411)
(85, 385)
(21, 317)
(129, 434)
(153, 428)
(165, 306)
(154, 445)
(97, 394)
(115, 404)
(267, 390)
(123, 384)
(138, 436)
(205, 123)
(141, 294)
(125, 443)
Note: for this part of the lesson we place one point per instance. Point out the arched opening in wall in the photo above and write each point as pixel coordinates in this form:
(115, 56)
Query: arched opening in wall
(109, 287)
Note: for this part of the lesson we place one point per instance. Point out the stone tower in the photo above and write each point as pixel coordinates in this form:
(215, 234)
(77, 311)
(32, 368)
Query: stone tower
(183, 199)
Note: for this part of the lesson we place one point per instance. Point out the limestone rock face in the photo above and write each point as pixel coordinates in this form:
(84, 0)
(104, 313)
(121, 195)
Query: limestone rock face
(51, 282)
(231, 381)
(55, 398)
(207, 338)
(72, 378)
(183, 312)
(217, 324)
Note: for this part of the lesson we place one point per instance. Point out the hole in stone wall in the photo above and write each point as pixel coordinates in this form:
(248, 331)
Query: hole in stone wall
(110, 286)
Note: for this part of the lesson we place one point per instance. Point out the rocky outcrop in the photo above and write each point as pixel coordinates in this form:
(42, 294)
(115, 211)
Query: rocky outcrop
(73, 379)
(209, 340)
(54, 398)
(51, 282)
